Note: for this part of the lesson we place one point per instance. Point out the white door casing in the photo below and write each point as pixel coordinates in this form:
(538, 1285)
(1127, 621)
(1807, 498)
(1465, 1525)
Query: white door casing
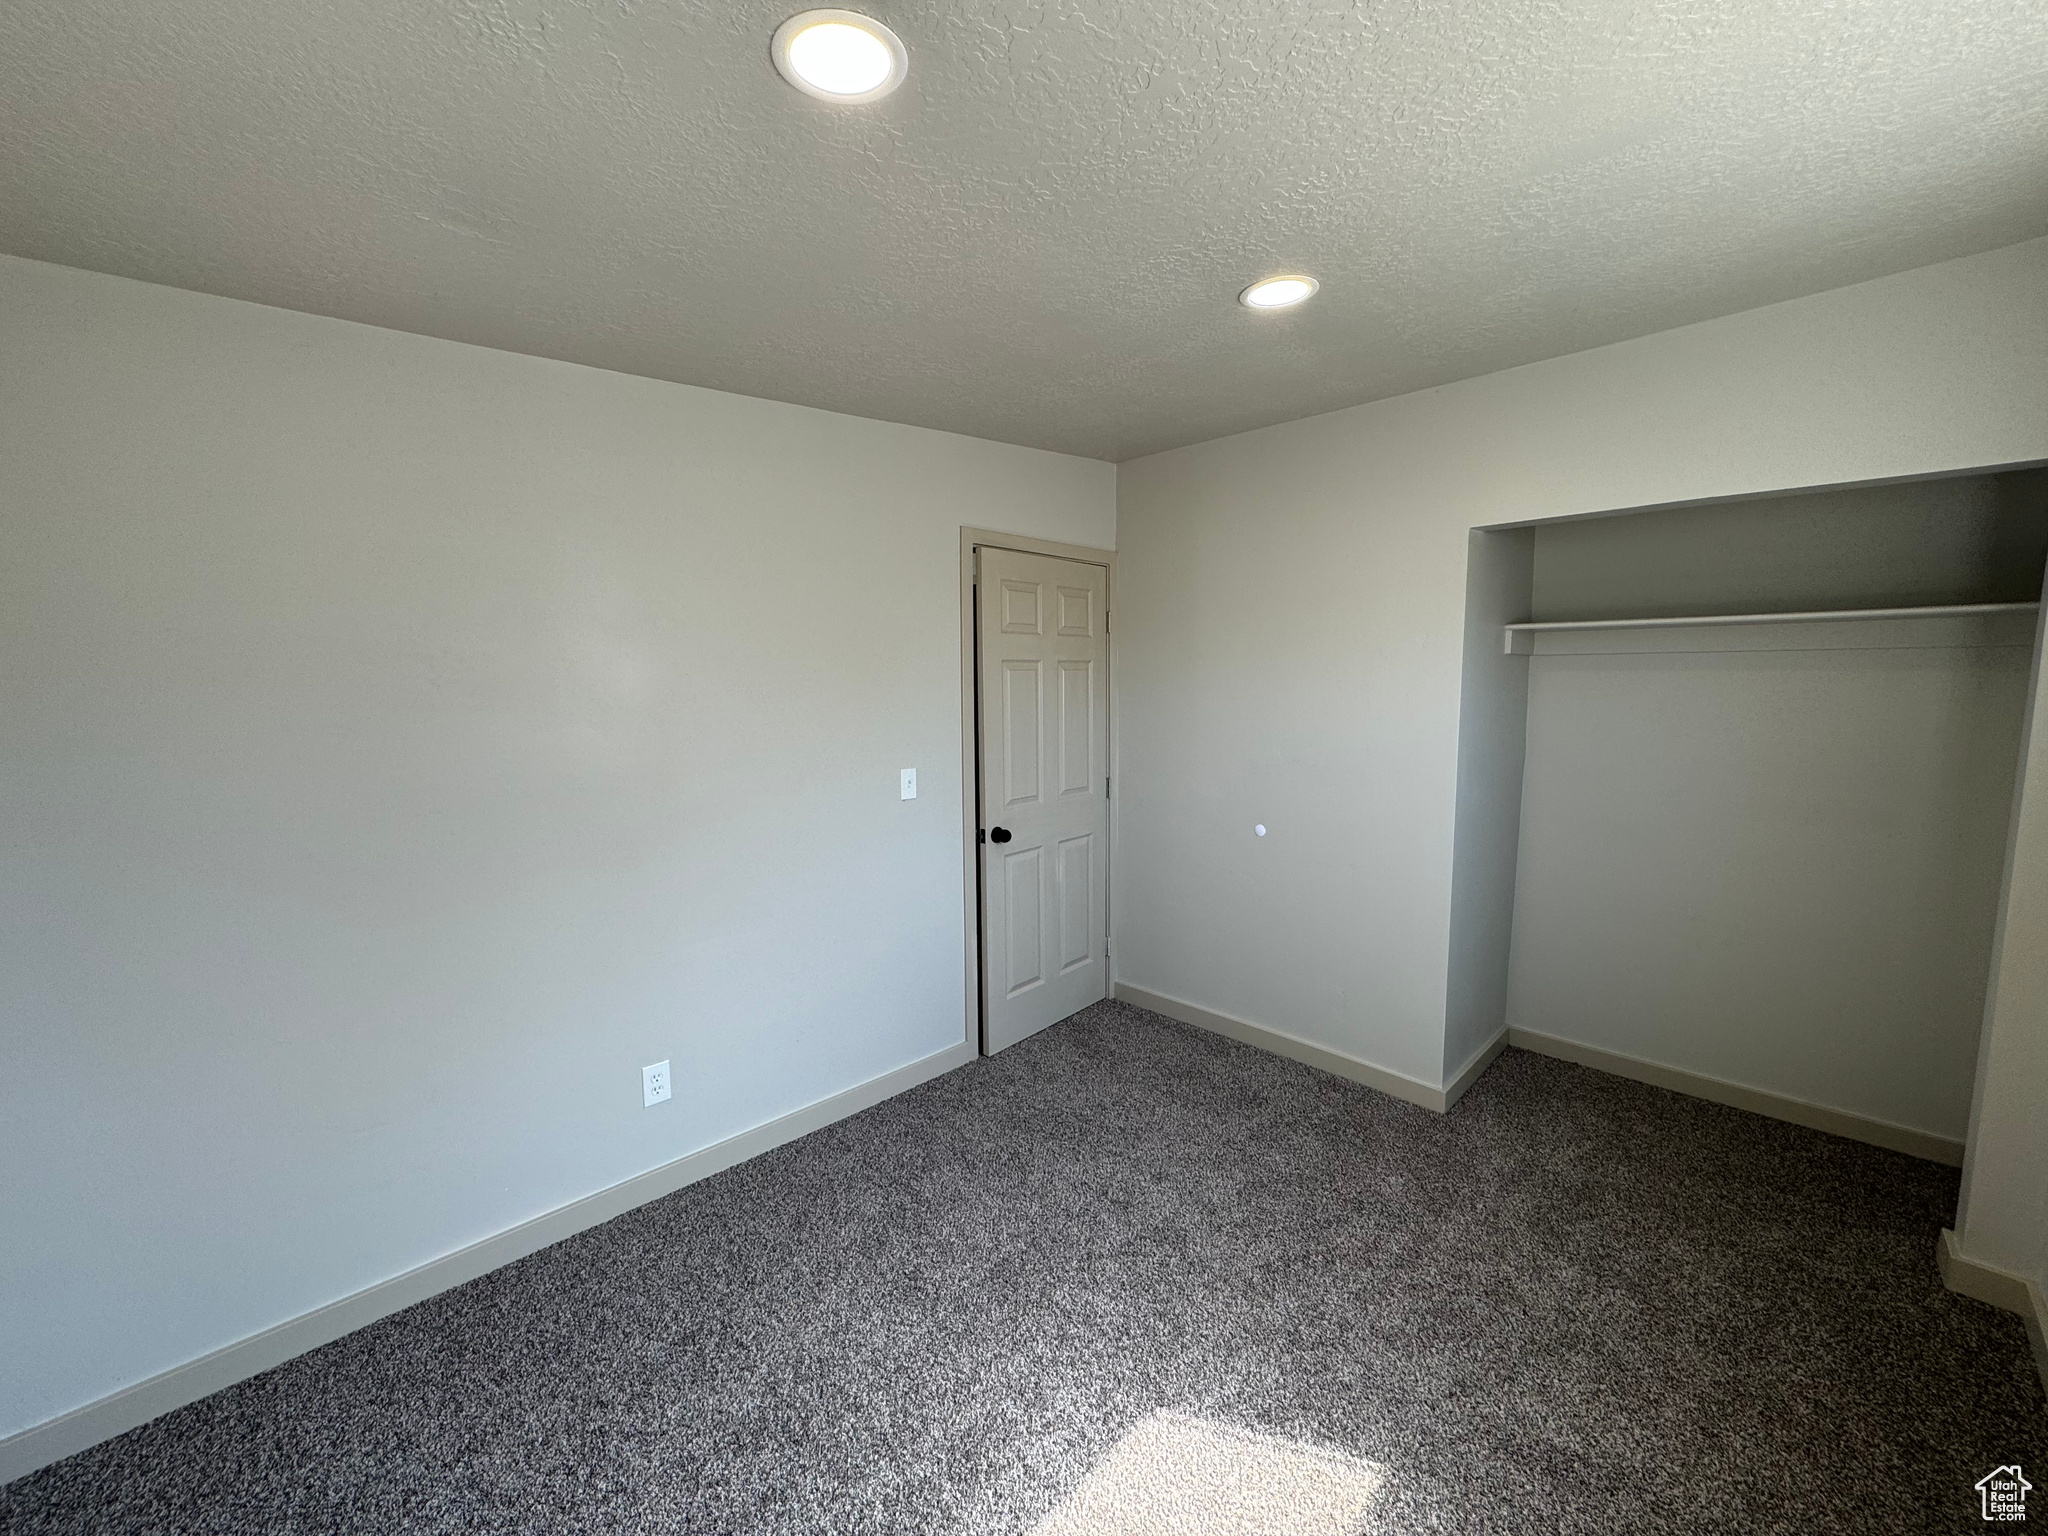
(1044, 706)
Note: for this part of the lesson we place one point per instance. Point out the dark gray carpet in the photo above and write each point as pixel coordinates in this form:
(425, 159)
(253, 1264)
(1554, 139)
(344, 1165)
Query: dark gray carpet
(1573, 1304)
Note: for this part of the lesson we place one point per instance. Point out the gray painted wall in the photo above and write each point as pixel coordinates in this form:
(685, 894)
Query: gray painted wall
(1291, 622)
(404, 743)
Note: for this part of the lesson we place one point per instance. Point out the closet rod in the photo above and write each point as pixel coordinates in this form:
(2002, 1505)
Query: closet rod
(1943, 611)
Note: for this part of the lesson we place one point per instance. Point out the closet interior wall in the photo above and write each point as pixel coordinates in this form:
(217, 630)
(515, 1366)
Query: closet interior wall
(1767, 855)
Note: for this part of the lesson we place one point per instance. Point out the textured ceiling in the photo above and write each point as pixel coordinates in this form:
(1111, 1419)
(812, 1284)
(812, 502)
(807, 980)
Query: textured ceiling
(1040, 237)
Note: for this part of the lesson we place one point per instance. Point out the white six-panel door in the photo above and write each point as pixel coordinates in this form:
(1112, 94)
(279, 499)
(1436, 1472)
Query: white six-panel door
(1044, 656)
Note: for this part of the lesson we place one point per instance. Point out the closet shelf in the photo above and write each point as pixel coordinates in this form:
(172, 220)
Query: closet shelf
(1718, 620)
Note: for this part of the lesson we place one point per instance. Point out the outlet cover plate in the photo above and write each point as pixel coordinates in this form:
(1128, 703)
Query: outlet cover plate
(654, 1084)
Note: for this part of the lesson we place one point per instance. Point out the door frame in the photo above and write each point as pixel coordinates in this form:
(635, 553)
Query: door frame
(972, 539)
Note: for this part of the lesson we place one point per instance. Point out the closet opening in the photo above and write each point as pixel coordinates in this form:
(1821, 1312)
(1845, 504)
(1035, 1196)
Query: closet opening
(1735, 783)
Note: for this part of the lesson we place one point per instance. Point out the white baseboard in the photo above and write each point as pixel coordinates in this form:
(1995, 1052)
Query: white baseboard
(1776, 1106)
(1308, 1052)
(1999, 1287)
(54, 1439)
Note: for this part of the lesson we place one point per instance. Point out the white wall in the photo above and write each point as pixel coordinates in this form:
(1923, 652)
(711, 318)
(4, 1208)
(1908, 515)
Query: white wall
(1290, 619)
(1777, 868)
(1493, 727)
(405, 742)
(2002, 1219)
(1969, 539)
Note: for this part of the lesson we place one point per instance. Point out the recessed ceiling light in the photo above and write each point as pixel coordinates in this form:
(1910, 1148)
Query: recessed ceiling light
(1277, 293)
(840, 56)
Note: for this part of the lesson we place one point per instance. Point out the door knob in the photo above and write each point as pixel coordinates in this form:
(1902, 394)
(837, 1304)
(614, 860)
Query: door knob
(999, 834)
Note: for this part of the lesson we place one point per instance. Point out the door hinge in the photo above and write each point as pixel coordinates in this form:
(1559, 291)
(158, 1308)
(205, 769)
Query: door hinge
(1106, 625)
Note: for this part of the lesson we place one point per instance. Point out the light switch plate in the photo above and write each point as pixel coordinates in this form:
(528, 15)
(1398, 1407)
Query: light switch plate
(653, 1084)
(910, 783)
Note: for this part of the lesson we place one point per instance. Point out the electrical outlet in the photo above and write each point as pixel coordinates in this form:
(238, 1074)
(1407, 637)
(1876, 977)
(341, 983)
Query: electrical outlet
(910, 783)
(653, 1084)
